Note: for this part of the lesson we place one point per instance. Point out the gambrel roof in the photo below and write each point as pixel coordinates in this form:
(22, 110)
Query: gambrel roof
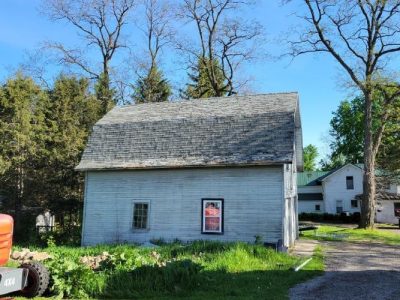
(226, 131)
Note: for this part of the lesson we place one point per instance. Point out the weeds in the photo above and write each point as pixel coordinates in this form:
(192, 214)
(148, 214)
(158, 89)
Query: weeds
(197, 270)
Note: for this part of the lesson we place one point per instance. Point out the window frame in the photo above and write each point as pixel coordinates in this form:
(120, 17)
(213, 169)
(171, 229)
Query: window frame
(317, 207)
(133, 216)
(342, 208)
(352, 182)
(203, 201)
(354, 201)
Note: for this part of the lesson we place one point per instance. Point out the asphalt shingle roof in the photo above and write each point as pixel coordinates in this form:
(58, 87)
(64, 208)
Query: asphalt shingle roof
(238, 130)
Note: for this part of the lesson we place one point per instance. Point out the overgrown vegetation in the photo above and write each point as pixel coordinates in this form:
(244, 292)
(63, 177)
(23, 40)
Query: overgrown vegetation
(198, 270)
(337, 233)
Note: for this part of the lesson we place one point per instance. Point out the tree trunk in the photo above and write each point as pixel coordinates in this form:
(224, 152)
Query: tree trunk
(368, 202)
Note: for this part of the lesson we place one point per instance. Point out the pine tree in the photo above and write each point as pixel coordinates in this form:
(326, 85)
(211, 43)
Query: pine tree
(23, 133)
(104, 93)
(201, 86)
(73, 113)
(152, 88)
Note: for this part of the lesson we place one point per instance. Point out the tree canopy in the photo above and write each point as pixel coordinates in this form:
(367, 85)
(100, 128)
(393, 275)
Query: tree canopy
(347, 131)
(310, 154)
(201, 85)
(152, 88)
(42, 135)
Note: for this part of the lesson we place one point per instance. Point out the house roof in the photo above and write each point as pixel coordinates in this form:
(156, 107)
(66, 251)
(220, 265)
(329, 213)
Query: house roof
(313, 178)
(310, 178)
(234, 131)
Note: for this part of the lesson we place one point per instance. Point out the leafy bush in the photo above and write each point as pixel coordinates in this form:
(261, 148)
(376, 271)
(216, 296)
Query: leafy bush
(70, 278)
(175, 269)
(333, 218)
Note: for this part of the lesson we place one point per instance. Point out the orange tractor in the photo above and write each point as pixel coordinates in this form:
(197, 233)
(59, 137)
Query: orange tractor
(30, 279)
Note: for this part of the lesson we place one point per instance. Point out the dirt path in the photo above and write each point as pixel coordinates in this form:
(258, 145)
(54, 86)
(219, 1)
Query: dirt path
(355, 271)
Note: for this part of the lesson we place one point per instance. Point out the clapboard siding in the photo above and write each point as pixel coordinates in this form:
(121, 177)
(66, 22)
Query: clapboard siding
(252, 203)
(334, 187)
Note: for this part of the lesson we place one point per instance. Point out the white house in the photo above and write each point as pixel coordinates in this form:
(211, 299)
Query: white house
(330, 192)
(340, 190)
(216, 169)
(388, 203)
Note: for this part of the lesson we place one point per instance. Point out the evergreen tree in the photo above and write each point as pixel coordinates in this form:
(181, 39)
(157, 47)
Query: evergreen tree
(152, 88)
(201, 86)
(23, 133)
(104, 93)
(72, 114)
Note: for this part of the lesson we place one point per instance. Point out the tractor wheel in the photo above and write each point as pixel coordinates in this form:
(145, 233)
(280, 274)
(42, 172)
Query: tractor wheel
(38, 280)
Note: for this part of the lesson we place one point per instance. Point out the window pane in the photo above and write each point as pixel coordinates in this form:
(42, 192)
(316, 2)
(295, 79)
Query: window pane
(212, 209)
(349, 182)
(212, 224)
(140, 215)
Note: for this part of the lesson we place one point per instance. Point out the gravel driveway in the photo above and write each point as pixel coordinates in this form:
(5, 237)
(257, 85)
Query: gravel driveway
(355, 271)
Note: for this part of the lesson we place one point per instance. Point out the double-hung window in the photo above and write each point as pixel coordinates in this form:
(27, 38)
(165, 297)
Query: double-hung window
(212, 215)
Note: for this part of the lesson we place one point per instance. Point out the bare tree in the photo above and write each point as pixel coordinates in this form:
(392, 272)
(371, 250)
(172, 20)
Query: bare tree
(225, 41)
(363, 36)
(158, 32)
(158, 29)
(99, 23)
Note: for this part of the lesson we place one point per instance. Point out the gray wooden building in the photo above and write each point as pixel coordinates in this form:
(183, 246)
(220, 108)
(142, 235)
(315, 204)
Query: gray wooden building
(216, 169)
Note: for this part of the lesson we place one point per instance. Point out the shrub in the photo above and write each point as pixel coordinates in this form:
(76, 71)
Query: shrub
(333, 218)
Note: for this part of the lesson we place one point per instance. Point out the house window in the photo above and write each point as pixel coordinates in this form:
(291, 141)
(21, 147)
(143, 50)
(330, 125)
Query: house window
(339, 206)
(350, 182)
(140, 215)
(212, 216)
(397, 209)
(386, 185)
(318, 207)
(354, 203)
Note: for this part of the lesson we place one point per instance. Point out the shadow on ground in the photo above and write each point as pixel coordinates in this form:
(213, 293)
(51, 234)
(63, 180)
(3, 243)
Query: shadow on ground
(336, 285)
(186, 279)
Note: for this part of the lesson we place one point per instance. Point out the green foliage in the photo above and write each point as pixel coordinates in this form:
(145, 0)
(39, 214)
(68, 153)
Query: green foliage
(347, 131)
(195, 271)
(152, 88)
(326, 232)
(42, 136)
(23, 135)
(70, 278)
(333, 162)
(201, 85)
(21, 122)
(104, 93)
(310, 154)
(71, 116)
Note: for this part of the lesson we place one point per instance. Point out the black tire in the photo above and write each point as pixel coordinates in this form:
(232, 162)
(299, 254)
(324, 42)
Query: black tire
(38, 280)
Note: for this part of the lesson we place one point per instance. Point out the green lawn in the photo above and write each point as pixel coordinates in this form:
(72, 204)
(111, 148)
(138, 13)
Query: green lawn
(338, 233)
(200, 270)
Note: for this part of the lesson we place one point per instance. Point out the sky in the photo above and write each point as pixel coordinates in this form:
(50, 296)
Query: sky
(23, 29)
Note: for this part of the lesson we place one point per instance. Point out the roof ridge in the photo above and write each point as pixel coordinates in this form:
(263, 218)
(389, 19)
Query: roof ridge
(182, 100)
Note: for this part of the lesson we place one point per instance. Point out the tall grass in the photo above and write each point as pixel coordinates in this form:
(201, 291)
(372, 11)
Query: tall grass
(197, 270)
